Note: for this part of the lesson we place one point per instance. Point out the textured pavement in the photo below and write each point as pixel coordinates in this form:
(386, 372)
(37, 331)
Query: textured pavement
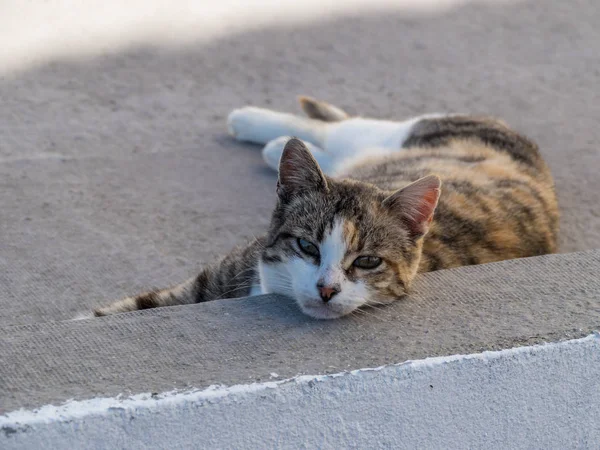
(116, 175)
(486, 307)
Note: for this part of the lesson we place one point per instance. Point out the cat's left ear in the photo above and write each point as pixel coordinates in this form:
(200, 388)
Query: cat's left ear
(415, 204)
(299, 171)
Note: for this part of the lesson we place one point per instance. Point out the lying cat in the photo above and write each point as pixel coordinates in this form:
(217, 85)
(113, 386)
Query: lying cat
(360, 208)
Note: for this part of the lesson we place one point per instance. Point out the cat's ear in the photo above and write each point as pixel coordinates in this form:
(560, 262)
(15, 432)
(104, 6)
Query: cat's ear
(298, 171)
(415, 204)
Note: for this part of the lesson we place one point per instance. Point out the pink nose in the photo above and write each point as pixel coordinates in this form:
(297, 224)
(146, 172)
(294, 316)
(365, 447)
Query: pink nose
(327, 292)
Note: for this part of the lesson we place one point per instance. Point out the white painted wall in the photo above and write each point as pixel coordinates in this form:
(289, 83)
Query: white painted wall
(532, 397)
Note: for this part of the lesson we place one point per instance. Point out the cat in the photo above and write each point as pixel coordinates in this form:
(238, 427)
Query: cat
(363, 205)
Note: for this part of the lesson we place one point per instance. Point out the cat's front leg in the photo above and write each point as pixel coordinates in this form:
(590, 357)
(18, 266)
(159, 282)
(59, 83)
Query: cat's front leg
(261, 125)
(234, 276)
(273, 150)
(182, 294)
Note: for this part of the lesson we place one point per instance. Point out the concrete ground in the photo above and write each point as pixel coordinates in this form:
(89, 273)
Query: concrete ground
(116, 172)
(116, 175)
(539, 397)
(236, 342)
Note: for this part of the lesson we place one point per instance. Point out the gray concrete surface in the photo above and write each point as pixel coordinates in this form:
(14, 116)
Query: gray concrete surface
(486, 307)
(544, 397)
(116, 174)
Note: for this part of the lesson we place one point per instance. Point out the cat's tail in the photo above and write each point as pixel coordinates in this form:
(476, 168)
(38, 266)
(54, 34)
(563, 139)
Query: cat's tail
(319, 110)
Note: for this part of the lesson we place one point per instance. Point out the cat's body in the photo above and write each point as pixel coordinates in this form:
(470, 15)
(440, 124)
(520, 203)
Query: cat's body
(352, 230)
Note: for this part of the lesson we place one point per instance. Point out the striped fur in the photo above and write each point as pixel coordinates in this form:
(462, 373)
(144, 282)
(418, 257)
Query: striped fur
(231, 277)
(497, 202)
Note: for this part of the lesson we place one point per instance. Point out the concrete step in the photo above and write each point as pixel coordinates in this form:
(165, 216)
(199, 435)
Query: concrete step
(460, 311)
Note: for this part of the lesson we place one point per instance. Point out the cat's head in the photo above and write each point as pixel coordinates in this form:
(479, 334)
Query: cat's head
(337, 245)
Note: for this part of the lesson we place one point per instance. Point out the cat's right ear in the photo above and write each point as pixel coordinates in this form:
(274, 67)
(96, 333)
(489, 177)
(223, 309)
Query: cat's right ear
(298, 171)
(416, 203)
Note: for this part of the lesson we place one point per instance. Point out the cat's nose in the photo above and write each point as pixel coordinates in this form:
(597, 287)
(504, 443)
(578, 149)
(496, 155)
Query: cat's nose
(327, 292)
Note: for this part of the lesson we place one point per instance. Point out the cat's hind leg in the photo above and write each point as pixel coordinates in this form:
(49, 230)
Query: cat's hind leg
(320, 110)
(261, 126)
(274, 148)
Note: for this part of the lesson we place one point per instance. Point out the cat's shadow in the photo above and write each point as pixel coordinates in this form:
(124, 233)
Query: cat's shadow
(234, 146)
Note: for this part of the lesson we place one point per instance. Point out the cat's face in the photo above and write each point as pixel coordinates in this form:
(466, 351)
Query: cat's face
(335, 246)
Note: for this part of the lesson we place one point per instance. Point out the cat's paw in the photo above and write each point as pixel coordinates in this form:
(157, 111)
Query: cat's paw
(272, 151)
(261, 125)
(247, 124)
(238, 123)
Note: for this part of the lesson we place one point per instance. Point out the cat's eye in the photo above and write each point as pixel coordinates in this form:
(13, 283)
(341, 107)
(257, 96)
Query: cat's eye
(308, 247)
(367, 262)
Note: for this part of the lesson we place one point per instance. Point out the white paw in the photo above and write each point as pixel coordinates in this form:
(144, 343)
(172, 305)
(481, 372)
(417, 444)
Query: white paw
(272, 151)
(237, 123)
(252, 124)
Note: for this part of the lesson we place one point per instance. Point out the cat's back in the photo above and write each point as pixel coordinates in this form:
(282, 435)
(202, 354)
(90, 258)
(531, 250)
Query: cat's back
(497, 202)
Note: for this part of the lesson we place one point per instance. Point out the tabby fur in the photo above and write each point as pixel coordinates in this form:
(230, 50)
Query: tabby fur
(434, 192)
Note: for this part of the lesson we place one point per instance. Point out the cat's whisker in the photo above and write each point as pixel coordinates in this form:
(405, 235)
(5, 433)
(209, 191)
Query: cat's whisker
(378, 309)
(249, 269)
(250, 286)
(375, 303)
(354, 313)
(360, 311)
(367, 313)
(258, 242)
(238, 288)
